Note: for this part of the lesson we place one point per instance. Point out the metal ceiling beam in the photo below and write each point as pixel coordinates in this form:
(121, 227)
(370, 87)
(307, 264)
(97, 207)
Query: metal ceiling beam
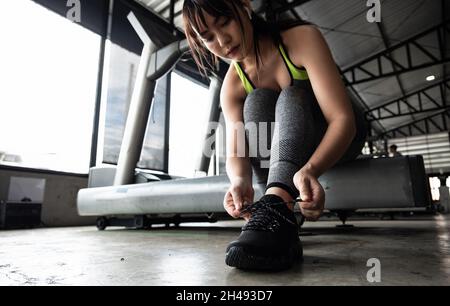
(394, 107)
(387, 45)
(444, 114)
(442, 86)
(365, 75)
(160, 20)
(411, 113)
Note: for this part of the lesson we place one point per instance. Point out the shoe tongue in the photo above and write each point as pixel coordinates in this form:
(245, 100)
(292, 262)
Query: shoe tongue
(261, 221)
(272, 198)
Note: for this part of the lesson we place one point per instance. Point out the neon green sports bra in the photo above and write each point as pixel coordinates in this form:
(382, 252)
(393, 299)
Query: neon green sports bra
(296, 73)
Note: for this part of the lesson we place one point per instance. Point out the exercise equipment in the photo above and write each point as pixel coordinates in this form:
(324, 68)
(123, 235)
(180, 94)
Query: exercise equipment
(398, 182)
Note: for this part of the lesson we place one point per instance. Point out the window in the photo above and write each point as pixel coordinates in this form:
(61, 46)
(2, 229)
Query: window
(189, 109)
(118, 88)
(122, 59)
(435, 183)
(48, 76)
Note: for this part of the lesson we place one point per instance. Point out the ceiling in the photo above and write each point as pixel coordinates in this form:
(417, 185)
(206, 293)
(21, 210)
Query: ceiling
(384, 64)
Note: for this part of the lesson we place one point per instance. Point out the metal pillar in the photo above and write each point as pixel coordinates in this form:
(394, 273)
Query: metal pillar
(212, 124)
(138, 113)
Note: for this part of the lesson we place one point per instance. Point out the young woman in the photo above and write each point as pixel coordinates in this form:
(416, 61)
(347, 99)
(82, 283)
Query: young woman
(282, 73)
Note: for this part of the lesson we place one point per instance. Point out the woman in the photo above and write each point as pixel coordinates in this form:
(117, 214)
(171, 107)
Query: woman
(282, 73)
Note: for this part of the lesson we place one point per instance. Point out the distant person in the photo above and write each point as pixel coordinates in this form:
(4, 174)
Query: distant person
(393, 151)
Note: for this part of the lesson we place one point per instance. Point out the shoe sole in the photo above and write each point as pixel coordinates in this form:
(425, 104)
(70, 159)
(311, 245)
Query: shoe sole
(237, 257)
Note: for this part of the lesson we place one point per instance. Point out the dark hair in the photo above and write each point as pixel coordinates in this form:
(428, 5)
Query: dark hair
(193, 16)
(393, 146)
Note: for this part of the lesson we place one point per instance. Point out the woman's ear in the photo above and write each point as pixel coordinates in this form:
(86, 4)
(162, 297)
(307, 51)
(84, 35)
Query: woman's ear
(249, 13)
(247, 5)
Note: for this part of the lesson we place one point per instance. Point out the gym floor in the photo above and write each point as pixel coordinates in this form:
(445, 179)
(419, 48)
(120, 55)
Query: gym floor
(414, 251)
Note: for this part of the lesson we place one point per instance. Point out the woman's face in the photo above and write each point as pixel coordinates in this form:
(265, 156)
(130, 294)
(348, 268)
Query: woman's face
(223, 37)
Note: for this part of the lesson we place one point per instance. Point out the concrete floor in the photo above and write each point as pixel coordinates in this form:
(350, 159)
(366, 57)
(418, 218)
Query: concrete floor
(412, 252)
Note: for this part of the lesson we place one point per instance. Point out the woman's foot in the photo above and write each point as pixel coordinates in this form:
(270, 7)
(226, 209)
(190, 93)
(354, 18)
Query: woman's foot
(282, 194)
(269, 240)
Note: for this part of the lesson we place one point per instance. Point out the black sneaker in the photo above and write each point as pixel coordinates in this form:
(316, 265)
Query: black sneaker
(269, 240)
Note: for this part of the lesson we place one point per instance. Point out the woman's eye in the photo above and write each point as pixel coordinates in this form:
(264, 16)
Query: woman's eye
(227, 21)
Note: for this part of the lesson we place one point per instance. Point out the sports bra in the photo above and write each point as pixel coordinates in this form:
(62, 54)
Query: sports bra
(296, 73)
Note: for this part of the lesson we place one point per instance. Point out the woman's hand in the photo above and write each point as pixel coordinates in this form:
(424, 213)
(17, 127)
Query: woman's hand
(240, 192)
(311, 192)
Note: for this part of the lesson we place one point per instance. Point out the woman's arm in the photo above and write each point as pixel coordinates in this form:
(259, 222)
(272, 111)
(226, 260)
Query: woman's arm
(237, 161)
(309, 49)
(238, 165)
(335, 142)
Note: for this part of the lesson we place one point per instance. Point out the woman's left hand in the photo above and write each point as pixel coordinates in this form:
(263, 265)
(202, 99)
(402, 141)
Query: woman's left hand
(311, 193)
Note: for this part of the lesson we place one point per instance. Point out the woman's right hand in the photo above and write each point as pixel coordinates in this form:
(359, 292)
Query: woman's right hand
(240, 192)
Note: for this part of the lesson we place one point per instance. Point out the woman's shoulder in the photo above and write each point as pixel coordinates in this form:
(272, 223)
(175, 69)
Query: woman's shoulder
(300, 32)
(232, 89)
(297, 38)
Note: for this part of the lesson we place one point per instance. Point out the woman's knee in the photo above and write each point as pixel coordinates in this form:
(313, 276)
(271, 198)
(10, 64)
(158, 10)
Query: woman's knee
(294, 94)
(259, 106)
(294, 101)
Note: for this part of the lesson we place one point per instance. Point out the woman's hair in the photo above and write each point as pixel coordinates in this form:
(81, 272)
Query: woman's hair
(193, 17)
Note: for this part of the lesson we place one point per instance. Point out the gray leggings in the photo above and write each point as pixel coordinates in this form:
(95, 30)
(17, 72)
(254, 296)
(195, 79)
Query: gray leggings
(299, 130)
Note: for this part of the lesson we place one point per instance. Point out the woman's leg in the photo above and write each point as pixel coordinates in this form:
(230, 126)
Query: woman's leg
(269, 240)
(259, 107)
(299, 130)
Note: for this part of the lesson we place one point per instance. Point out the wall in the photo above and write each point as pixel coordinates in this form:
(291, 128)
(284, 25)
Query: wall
(59, 205)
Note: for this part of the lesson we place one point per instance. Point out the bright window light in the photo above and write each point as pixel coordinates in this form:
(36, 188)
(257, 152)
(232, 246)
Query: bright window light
(48, 77)
(435, 183)
(188, 123)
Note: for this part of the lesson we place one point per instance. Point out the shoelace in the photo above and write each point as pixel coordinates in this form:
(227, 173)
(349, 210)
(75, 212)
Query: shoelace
(262, 215)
